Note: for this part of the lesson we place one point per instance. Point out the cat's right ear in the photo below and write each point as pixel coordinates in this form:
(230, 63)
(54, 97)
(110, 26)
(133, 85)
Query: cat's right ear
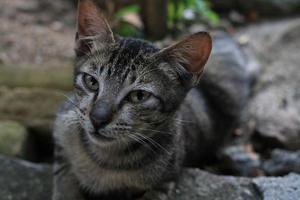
(188, 57)
(93, 30)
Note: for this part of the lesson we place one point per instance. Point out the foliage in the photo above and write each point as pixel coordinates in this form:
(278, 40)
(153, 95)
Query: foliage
(177, 10)
(180, 12)
(127, 10)
(125, 28)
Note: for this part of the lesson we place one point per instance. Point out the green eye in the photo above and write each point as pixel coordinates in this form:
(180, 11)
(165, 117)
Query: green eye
(91, 82)
(138, 96)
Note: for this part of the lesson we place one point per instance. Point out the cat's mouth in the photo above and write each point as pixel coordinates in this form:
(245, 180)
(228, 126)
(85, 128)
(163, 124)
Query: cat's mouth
(109, 134)
(102, 136)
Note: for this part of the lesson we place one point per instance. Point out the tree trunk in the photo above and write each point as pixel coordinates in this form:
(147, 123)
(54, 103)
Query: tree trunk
(154, 15)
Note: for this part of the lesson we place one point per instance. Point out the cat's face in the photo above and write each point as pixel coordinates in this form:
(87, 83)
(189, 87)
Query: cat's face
(127, 89)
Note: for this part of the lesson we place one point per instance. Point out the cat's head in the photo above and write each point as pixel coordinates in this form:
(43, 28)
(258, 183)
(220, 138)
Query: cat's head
(128, 87)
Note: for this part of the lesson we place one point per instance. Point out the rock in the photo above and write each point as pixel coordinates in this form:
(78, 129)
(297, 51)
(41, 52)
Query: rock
(34, 108)
(12, 138)
(282, 162)
(261, 36)
(21, 180)
(276, 101)
(268, 8)
(279, 188)
(196, 184)
(242, 160)
(44, 77)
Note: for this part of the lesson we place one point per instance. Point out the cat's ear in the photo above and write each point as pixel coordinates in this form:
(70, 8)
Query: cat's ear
(192, 53)
(92, 28)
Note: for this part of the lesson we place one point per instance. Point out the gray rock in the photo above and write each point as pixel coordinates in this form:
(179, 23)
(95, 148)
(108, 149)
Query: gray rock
(269, 8)
(21, 180)
(196, 184)
(276, 102)
(282, 162)
(280, 188)
(242, 160)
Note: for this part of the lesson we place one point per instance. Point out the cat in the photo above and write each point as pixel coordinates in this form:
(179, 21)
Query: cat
(136, 116)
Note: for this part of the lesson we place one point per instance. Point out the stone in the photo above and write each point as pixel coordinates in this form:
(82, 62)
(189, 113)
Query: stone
(242, 160)
(196, 184)
(282, 162)
(270, 8)
(50, 77)
(12, 138)
(22, 180)
(35, 109)
(279, 188)
(275, 105)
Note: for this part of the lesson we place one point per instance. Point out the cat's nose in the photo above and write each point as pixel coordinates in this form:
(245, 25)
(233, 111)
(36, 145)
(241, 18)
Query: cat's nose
(101, 114)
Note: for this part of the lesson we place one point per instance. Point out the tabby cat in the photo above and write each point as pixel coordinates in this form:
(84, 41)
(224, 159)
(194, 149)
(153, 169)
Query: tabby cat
(123, 133)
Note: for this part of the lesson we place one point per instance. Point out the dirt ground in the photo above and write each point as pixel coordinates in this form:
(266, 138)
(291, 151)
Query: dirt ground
(36, 33)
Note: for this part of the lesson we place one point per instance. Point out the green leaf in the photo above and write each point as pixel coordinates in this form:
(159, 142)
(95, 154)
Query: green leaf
(127, 10)
(127, 30)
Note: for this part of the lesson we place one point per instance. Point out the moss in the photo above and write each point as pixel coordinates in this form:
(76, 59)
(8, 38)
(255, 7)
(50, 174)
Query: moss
(33, 107)
(46, 77)
(12, 138)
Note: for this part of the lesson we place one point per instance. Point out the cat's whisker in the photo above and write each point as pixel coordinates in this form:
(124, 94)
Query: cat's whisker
(73, 103)
(156, 131)
(183, 122)
(71, 122)
(153, 142)
(162, 121)
(140, 141)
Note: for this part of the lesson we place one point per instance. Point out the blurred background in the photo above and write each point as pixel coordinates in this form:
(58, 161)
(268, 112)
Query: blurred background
(261, 36)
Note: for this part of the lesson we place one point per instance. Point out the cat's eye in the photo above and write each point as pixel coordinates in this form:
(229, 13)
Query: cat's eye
(138, 96)
(90, 82)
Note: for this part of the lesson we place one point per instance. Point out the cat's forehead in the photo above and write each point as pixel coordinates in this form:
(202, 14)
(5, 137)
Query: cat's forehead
(122, 62)
(126, 52)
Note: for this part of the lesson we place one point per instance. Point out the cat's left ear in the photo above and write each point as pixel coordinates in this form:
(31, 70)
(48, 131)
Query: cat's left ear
(192, 53)
(92, 27)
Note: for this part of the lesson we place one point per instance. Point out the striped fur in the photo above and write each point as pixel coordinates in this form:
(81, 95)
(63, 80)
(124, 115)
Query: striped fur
(140, 152)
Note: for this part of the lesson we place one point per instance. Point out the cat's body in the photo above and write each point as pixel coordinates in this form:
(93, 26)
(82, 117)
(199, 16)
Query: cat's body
(134, 119)
(131, 165)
